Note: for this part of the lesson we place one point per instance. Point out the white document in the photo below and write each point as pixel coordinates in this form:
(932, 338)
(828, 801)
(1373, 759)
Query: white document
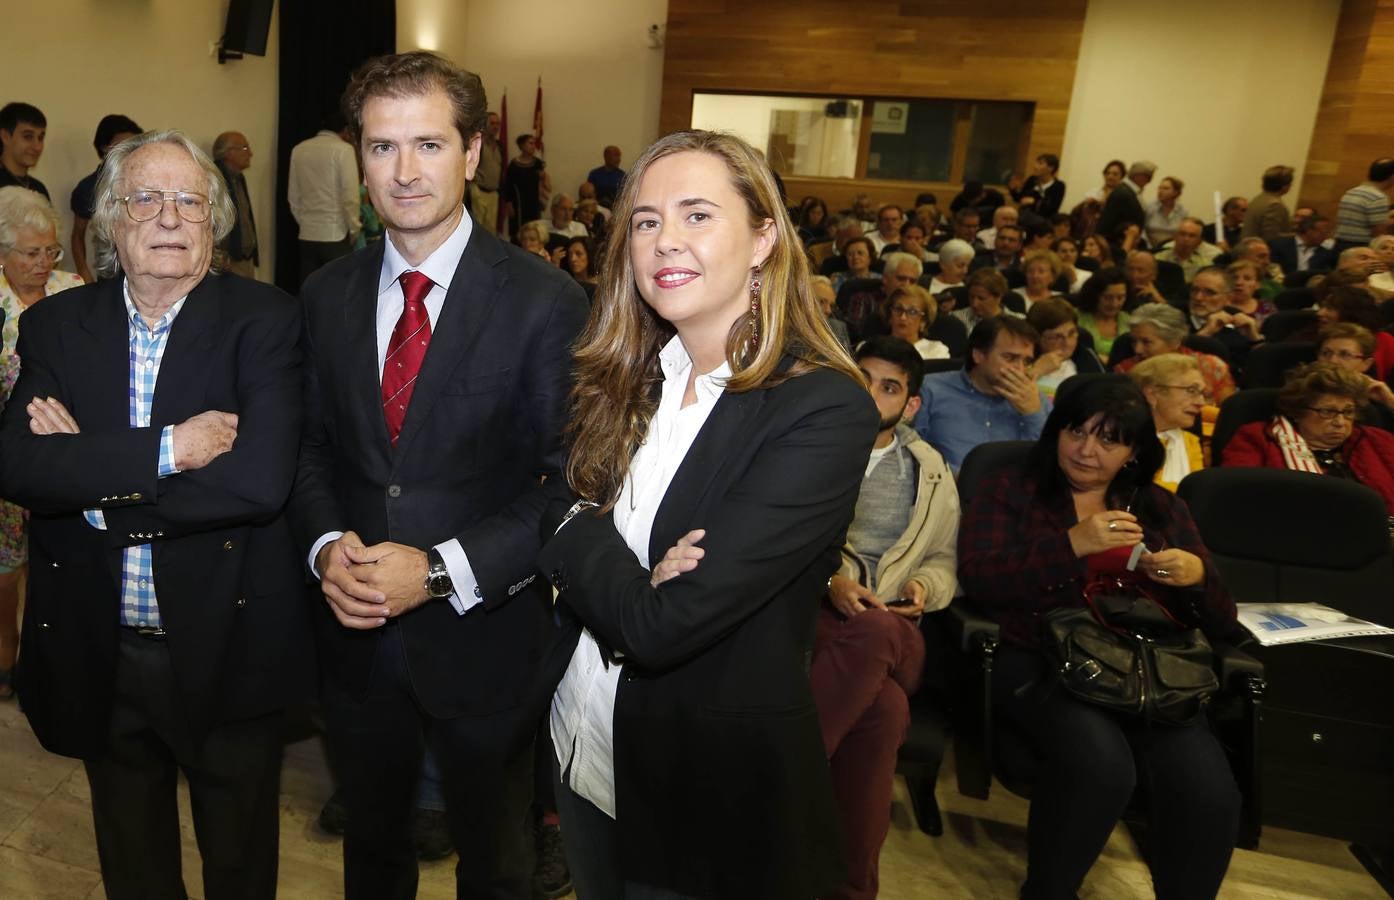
(1287, 623)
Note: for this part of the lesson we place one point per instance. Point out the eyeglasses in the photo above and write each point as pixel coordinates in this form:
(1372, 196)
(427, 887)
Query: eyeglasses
(1343, 355)
(145, 204)
(908, 312)
(1329, 413)
(1192, 391)
(37, 255)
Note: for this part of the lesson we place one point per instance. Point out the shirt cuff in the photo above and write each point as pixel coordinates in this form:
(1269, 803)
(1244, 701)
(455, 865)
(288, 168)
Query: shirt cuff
(319, 545)
(167, 466)
(95, 518)
(467, 593)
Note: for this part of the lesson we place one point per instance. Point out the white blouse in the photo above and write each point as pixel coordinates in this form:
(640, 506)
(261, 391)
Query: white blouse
(583, 707)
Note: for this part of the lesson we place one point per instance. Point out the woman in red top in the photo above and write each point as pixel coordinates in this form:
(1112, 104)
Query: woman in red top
(1028, 543)
(1315, 432)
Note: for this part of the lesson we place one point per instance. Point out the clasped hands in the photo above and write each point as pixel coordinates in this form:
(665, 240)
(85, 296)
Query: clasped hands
(367, 585)
(1114, 528)
(198, 440)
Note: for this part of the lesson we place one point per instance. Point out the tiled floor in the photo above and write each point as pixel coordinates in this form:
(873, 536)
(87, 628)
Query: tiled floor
(47, 849)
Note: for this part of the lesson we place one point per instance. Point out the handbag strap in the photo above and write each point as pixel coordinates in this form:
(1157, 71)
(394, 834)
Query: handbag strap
(1102, 585)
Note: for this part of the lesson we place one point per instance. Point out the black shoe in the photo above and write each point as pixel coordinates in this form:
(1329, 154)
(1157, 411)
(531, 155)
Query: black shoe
(333, 818)
(551, 878)
(431, 835)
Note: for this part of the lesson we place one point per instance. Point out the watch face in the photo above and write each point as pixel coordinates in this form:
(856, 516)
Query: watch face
(439, 586)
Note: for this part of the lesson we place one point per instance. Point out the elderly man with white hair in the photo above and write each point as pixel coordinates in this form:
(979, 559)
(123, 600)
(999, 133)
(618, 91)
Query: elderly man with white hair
(1383, 245)
(154, 431)
(1002, 215)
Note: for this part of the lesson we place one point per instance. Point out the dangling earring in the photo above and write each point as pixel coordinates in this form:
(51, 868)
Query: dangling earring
(754, 311)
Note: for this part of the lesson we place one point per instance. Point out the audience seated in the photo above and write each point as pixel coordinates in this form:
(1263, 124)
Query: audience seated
(813, 221)
(1001, 217)
(955, 256)
(533, 237)
(1356, 306)
(1244, 280)
(1067, 248)
(822, 287)
(986, 289)
(1156, 329)
(1352, 347)
(1315, 431)
(868, 653)
(843, 229)
(889, 218)
(1005, 255)
(1383, 280)
(1175, 392)
(1271, 276)
(1101, 303)
(912, 241)
(857, 254)
(993, 398)
(864, 308)
(1187, 249)
(1042, 269)
(910, 312)
(1164, 214)
(1141, 269)
(964, 227)
(1032, 541)
(1305, 250)
(1097, 249)
(562, 222)
(1211, 314)
(1060, 352)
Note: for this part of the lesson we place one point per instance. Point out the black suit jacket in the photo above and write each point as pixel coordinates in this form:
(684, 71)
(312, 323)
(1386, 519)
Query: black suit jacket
(1049, 200)
(483, 428)
(1283, 251)
(227, 577)
(1123, 207)
(722, 783)
(232, 244)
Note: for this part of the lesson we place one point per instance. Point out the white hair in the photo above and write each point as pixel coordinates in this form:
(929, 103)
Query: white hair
(954, 250)
(23, 208)
(893, 260)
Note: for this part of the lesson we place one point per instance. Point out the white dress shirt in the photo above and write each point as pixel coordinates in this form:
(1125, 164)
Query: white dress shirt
(323, 188)
(440, 268)
(583, 708)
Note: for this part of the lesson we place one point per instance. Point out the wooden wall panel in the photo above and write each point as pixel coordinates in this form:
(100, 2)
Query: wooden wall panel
(1355, 122)
(984, 50)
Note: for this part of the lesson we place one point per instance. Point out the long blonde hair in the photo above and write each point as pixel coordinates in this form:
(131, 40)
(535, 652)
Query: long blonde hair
(616, 359)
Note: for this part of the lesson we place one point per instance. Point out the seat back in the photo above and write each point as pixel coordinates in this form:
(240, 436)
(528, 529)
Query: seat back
(1285, 322)
(952, 333)
(1171, 281)
(1294, 537)
(1243, 407)
(819, 253)
(1295, 298)
(986, 461)
(1203, 344)
(1268, 363)
(934, 366)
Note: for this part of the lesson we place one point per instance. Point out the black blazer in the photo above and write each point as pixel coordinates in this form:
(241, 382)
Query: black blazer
(1283, 251)
(721, 779)
(1122, 207)
(233, 241)
(1048, 201)
(484, 427)
(227, 575)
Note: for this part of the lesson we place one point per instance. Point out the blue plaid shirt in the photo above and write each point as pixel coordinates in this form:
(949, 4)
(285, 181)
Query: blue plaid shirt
(138, 603)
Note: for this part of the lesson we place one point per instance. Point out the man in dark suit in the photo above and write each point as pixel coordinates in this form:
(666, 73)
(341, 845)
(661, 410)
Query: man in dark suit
(1124, 204)
(233, 154)
(436, 392)
(1305, 250)
(165, 628)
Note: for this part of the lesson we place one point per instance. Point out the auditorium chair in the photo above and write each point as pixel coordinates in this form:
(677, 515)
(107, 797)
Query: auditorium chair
(818, 253)
(1268, 364)
(1260, 404)
(985, 747)
(1285, 322)
(1295, 298)
(935, 366)
(1276, 536)
(1171, 281)
(952, 333)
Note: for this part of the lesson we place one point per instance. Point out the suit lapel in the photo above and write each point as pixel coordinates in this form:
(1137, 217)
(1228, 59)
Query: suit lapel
(360, 352)
(180, 389)
(716, 443)
(474, 291)
(105, 343)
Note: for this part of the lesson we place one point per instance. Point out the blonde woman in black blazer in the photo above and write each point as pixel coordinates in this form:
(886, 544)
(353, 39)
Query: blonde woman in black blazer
(712, 397)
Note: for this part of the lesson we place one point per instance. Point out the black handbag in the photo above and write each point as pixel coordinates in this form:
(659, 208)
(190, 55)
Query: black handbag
(1125, 651)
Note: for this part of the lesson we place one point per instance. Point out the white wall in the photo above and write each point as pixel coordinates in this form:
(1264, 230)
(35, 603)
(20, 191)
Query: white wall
(1213, 93)
(600, 79)
(149, 60)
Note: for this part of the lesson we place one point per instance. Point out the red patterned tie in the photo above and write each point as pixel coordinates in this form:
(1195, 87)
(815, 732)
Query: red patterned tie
(405, 351)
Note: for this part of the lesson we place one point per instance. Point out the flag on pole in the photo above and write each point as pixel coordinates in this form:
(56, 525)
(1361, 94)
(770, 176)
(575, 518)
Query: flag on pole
(537, 116)
(502, 224)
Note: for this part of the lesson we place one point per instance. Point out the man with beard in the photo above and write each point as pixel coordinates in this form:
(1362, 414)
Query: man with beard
(868, 653)
(993, 398)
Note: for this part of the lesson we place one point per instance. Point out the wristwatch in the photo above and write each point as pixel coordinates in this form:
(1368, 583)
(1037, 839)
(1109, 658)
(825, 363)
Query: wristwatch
(438, 583)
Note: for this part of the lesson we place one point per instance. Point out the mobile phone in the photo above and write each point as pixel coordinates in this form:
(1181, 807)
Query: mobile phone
(900, 601)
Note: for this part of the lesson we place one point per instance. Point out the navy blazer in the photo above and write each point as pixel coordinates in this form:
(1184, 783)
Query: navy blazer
(483, 430)
(227, 575)
(1283, 251)
(721, 778)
